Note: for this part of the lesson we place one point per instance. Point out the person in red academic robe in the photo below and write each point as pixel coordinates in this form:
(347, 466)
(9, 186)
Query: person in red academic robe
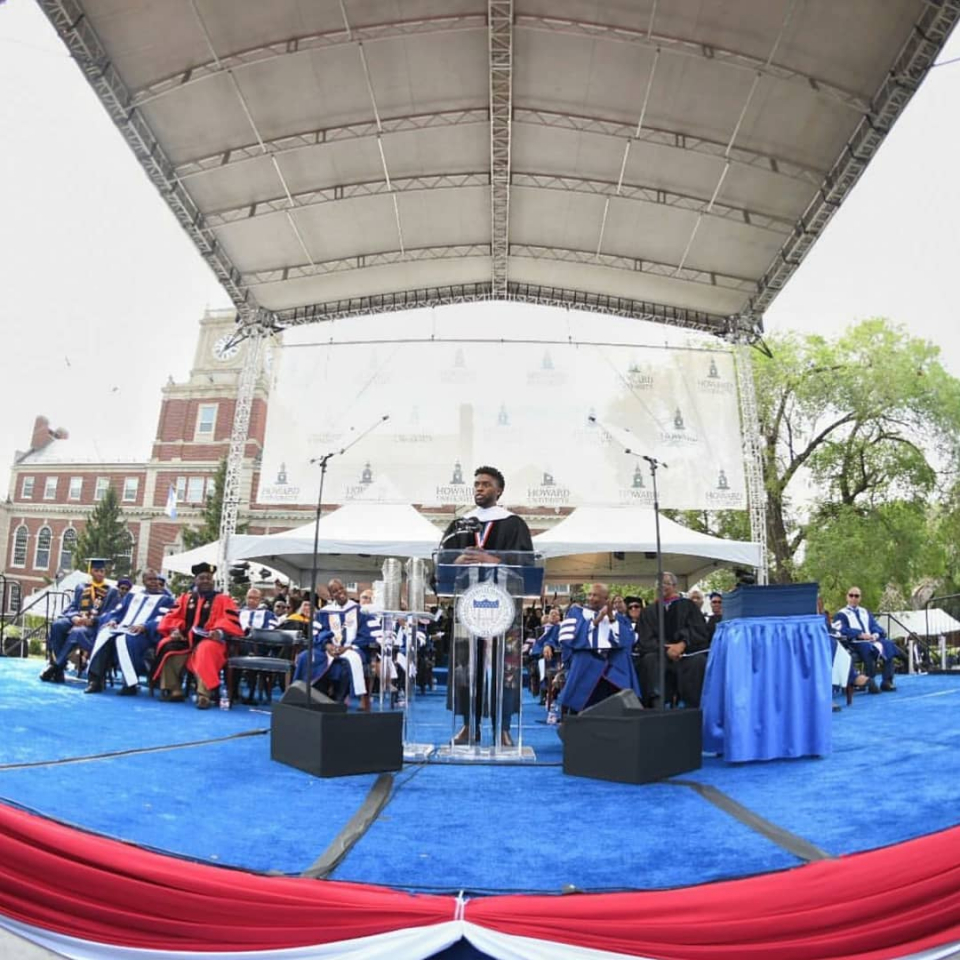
(194, 637)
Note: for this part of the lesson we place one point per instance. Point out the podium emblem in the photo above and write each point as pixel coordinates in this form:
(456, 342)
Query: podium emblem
(486, 609)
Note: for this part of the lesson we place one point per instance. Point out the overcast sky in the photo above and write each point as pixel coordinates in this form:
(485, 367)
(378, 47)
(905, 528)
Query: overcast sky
(100, 290)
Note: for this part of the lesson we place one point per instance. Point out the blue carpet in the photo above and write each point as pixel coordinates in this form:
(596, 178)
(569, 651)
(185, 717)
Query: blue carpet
(527, 828)
(895, 774)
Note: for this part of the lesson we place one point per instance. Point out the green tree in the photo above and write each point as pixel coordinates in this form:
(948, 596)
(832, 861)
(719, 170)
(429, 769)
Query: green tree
(105, 535)
(867, 418)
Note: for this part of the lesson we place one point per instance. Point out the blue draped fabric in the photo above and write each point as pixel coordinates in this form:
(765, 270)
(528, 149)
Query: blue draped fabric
(767, 691)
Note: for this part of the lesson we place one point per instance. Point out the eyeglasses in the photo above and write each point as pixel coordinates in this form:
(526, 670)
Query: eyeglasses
(856, 596)
(633, 606)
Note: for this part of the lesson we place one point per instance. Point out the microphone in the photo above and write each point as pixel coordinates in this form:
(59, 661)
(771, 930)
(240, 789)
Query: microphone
(462, 525)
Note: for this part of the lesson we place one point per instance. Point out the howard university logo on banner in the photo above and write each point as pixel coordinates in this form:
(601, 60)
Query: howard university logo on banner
(638, 491)
(457, 490)
(720, 496)
(677, 432)
(638, 378)
(713, 382)
(549, 492)
(281, 490)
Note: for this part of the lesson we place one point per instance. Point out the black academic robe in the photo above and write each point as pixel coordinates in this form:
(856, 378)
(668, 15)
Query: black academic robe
(510, 533)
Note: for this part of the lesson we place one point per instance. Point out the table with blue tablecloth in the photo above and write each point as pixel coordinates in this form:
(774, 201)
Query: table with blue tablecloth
(767, 692)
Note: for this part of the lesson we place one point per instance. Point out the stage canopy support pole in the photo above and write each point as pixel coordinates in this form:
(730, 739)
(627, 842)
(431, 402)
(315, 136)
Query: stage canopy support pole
(254, 331)
(752, 458)
(500, 27)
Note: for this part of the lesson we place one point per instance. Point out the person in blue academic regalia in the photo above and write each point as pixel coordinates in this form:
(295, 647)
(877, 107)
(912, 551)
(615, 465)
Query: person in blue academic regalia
(869, 640)
(129, 634)
(599, 643)
(78, 624)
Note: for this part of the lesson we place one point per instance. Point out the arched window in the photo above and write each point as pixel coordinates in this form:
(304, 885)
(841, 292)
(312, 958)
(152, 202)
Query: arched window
(41, 555)
(123, 561)
(20, 546)
(68, 547)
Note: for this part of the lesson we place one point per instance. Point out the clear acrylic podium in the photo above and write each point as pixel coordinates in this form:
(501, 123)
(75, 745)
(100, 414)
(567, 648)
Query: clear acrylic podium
(485, 668)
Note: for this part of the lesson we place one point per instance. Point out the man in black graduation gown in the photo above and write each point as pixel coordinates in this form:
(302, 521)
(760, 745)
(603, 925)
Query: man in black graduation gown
(685, 644)
(480, 536)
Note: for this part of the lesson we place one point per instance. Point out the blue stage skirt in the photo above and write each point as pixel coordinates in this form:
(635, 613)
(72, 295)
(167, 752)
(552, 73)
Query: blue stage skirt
(767, 692)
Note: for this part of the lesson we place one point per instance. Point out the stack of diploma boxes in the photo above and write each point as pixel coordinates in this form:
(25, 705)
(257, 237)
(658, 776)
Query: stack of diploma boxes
(771, 600)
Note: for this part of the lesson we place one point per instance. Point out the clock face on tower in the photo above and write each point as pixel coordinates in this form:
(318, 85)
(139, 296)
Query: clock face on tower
(223, 350)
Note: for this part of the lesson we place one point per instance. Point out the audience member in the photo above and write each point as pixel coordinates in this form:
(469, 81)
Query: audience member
(685, 643)
(716, 614)
(129, 636)
(600, 643)
(194, 637)
(255, 615)
(78, 624)
(869, 640)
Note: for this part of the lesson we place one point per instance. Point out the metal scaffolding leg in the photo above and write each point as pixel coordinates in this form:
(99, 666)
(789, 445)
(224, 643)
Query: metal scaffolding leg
(255, 333)
(752, 460)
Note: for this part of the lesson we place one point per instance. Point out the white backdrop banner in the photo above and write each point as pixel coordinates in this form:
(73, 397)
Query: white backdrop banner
(523, 407)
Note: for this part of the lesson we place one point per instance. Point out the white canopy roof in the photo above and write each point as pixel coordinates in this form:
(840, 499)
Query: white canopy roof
(671, 161)
(352, 540)
(620, 544)
(923, 623)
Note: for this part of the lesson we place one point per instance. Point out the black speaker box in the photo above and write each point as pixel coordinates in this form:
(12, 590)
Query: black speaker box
(623, 703)
(336, 744)
(639, 746)
(296, 696)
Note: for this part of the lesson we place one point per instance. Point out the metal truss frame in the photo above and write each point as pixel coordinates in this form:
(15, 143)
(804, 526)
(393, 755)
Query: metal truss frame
(694, 48)
(528, 251)
(541, 181)
(500, 34)
(542, 295)
(598, 126)
(752, 451)
(254, 331)
(217, 66)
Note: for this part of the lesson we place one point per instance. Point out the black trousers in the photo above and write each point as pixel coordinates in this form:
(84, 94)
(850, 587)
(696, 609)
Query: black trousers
(683, 678)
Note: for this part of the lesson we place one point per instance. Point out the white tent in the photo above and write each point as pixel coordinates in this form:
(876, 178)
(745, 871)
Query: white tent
(923, 623)
(352, 542)
(619, 544)
(210, 553)
(60, 592)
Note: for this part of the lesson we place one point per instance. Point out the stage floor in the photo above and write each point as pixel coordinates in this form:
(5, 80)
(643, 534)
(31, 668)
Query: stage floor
(201, 785)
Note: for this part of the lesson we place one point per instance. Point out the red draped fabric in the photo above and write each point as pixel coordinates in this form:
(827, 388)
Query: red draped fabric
(87, 886)
(881, 904)
(878, 905)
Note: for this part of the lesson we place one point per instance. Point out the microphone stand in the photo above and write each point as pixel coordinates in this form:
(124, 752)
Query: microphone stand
(661, 627)
(323, 461)
(655, 464)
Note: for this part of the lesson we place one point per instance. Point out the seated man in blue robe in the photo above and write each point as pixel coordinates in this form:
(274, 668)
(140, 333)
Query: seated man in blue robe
(546, 667)
(868, 639)
(343, 638)
(128, 635)
(78, 625)
(599, 643)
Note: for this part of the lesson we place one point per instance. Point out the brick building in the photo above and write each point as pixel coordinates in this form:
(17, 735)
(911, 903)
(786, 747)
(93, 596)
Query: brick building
(56, 482)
